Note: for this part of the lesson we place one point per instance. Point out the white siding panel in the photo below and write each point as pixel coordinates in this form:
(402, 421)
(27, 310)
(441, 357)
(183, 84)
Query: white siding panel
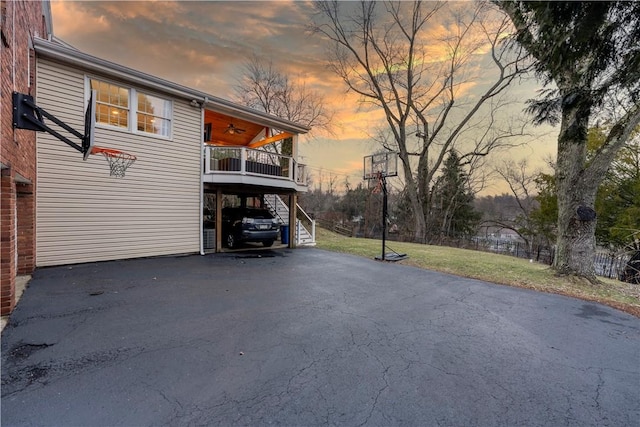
(83, 214)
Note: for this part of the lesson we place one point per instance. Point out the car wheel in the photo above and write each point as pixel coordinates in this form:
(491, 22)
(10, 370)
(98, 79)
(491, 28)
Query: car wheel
(231, 241)
(268, 243)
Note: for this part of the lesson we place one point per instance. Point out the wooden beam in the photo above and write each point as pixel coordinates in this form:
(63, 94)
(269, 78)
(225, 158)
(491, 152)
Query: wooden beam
(224, 143)
(271, 139)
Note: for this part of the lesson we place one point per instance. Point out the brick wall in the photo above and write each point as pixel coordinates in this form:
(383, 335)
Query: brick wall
(8, 244)
(21, 21)
(26, 207)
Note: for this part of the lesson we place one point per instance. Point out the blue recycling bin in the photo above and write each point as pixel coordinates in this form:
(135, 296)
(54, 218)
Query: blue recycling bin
(284, 234)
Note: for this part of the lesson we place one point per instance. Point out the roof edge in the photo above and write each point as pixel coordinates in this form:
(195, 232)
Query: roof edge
(62, 52)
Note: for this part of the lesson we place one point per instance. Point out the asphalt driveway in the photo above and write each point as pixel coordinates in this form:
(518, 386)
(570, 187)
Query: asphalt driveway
(309, 337)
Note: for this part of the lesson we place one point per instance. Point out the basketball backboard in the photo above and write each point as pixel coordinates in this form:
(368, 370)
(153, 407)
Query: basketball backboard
(89, 126)
(381, 165)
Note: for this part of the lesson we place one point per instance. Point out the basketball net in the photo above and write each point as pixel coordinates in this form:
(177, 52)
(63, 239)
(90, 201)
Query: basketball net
(378, 188)
(118, 160)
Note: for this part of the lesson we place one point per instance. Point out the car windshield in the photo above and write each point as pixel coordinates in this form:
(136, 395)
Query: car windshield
(258, 213)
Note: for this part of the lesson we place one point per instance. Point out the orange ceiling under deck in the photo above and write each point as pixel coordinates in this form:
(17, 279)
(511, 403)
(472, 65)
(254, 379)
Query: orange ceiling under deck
(221, 135)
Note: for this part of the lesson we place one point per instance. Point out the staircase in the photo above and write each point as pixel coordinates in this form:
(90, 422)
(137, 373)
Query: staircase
(304, 234)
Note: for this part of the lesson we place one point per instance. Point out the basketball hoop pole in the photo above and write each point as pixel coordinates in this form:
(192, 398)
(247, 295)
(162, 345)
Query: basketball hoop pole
(384, 215)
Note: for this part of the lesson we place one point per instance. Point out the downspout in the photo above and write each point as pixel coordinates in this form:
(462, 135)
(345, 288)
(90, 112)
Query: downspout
(202, 153)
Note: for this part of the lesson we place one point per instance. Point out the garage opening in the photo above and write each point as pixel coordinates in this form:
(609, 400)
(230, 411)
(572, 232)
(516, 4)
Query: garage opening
(242, 221)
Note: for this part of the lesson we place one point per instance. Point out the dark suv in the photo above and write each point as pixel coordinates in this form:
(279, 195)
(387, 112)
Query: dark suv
(248, 225)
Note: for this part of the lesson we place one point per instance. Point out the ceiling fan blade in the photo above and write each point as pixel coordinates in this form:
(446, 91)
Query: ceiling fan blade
(231, 129)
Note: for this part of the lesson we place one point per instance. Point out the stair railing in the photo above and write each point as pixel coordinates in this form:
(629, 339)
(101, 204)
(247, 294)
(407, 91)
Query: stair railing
(273, 207)
(304, 222)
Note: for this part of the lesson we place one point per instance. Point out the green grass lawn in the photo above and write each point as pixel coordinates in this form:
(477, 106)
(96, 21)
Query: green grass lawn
(490, 267)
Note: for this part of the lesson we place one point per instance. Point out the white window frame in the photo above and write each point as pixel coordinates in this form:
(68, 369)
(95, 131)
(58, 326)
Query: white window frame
(128, 109)
(132, 110)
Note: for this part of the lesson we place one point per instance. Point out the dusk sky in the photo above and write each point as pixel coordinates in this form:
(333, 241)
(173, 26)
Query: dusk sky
(204, 44)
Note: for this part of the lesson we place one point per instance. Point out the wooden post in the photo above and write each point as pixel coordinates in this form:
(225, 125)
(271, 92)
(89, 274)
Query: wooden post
(218, 220)
(293, 214)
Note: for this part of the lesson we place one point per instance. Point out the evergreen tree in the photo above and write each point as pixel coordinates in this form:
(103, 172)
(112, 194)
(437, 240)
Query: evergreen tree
(545, 216)
(452, 211)
(618, 199)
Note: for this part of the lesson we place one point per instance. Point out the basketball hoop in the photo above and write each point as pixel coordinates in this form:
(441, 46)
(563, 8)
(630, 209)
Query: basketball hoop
(118, 160)
(385, 164)
(378, 167)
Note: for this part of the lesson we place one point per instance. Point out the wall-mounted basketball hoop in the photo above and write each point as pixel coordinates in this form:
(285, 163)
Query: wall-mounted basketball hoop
(27, 115)
(377, 167)
(118, 160)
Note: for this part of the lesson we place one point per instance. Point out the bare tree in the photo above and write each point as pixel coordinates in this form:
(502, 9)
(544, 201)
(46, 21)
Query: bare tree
(264, 87)
(522, 185)
(386, 53)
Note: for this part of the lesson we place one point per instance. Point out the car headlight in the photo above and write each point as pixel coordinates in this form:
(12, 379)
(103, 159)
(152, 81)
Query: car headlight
(248, 220)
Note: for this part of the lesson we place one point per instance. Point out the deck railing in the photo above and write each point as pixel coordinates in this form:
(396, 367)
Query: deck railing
(246, 161)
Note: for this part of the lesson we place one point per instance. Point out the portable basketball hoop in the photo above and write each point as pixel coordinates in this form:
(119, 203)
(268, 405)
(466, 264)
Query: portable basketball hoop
(377, 167)
(118, 160)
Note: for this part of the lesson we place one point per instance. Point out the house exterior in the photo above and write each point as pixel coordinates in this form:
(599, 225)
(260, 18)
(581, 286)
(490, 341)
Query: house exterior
(196, 153)
(20, 21)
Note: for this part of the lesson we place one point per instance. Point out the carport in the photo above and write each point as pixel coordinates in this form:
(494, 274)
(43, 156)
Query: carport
(278, 200)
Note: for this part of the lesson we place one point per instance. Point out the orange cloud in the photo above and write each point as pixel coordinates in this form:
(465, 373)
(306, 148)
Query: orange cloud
(71, 20)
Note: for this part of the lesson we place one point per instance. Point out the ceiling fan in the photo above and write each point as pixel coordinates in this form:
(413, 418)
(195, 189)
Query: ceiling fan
(232, 130)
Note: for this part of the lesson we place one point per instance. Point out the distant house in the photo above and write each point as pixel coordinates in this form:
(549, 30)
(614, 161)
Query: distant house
(195, 154)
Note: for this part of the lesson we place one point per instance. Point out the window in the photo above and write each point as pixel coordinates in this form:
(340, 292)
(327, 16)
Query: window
(112, 104)
(154, 114)
(131, 110)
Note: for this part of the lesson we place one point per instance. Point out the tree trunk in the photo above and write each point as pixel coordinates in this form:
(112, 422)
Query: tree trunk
(576, 244)
(424, 199)
(412, 191)
(575, 249)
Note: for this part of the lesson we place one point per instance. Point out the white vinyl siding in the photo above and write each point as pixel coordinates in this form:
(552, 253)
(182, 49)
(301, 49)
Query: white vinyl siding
(83, 214)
